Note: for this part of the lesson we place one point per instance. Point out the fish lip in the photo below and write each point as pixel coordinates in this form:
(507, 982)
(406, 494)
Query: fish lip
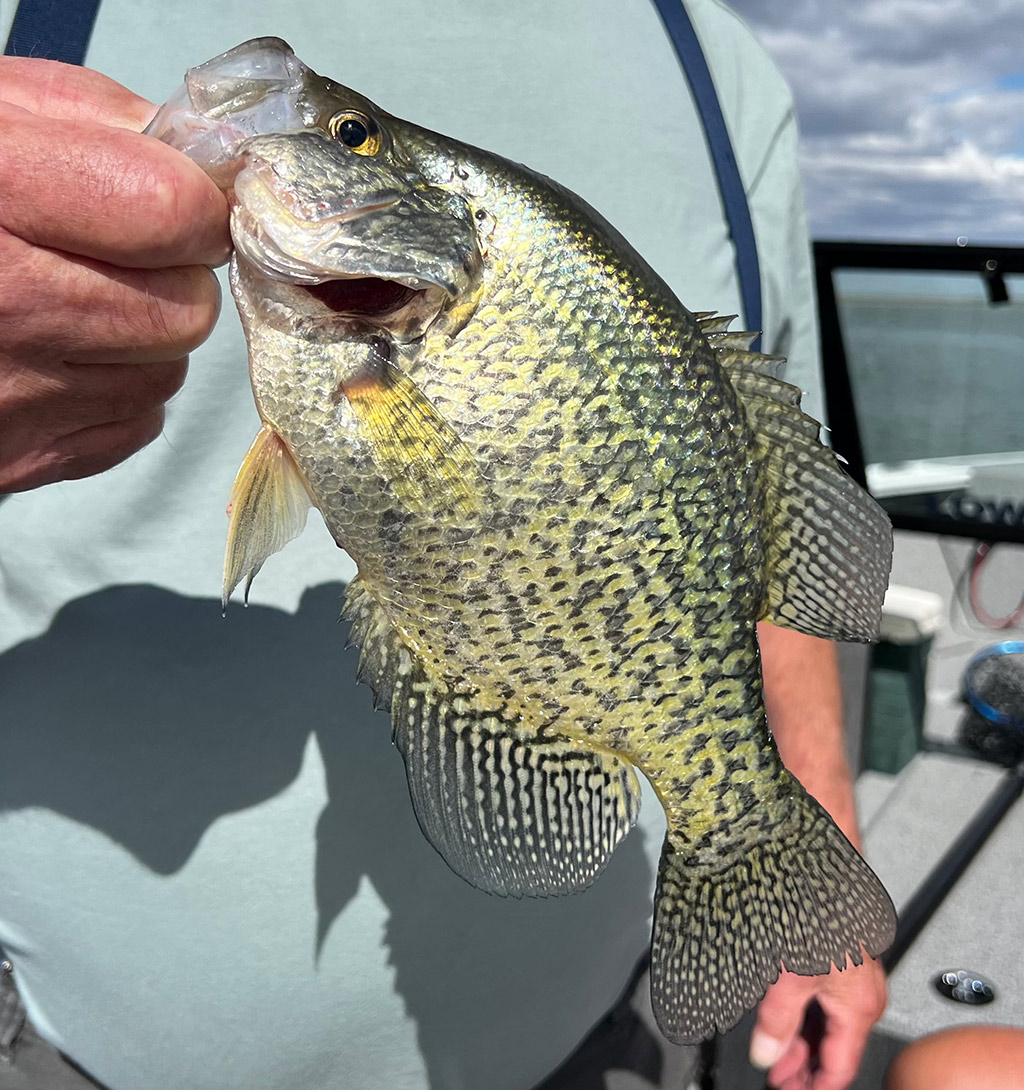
(221, 104)
(227, 84)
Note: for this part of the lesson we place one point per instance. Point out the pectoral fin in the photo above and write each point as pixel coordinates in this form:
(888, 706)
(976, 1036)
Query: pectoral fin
(268, 508)
(428, 465)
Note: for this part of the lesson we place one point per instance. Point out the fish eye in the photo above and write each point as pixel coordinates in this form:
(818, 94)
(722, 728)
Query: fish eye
(355, 131)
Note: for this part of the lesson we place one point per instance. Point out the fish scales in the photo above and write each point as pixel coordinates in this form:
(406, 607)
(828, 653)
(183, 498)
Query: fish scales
(569, 499)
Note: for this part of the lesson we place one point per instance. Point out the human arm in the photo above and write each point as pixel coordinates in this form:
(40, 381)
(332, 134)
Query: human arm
(804, 704)
(106, 238)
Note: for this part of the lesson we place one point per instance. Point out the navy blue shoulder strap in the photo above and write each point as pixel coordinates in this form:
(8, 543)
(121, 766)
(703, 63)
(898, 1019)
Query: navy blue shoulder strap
(57, 30)
(730, 185)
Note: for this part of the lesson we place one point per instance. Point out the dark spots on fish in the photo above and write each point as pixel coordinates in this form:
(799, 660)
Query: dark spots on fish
(589, 590)
(729, 740)
(697, 743)
(765, 760)
(707, 766)
(640, 577)
(551, 572)
(389, 519)
(747, 797)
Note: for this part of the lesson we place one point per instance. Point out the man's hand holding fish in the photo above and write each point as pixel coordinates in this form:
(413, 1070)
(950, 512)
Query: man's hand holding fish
(105, 239)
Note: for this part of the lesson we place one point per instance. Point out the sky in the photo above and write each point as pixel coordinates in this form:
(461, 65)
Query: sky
(911, 114)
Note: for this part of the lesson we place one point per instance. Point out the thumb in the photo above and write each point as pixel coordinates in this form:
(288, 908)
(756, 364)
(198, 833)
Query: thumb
(779, 1018)
(71, 93)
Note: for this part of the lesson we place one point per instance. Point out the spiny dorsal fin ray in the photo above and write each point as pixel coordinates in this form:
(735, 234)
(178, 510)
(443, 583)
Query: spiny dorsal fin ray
(710, 322)
(830, 544)
(380, 646)
(801, 898)
(738, 341)
(510, 813)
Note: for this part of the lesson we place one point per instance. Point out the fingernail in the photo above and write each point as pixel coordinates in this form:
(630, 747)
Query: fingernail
(764, 1051)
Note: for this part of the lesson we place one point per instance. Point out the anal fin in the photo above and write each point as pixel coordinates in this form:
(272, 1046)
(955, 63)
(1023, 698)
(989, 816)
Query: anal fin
(511, 814)
(267, 509)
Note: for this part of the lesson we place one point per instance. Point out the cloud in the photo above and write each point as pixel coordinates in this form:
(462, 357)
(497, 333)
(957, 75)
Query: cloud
(912, 113)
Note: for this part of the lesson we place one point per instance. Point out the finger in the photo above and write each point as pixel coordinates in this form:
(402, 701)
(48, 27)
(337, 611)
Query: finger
(85, 395)
(97, 449)
(42, 409)
(81, 454)
(853, 1000)
(779, 1018)
(795, 1061)
(841, 1050)
(799, 1081)
(72, 93)
(90, 312)
(107, 193)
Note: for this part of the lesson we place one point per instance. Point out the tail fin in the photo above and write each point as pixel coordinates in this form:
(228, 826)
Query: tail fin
(801, 898)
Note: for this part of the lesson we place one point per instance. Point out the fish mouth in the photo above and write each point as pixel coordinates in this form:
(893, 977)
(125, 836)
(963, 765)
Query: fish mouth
(298, 257)
(364, 296)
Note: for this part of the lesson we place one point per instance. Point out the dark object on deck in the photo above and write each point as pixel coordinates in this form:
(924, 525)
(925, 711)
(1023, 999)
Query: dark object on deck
(993, 726)
(964, 987)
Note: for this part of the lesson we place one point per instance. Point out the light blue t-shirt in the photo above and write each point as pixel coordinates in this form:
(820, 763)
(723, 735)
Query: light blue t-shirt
(210, 874)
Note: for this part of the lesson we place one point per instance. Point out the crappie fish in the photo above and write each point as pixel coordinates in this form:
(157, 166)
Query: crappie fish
(570, 500)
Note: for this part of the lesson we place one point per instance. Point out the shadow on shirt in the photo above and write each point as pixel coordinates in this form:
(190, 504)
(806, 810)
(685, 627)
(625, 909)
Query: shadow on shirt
(142, 714)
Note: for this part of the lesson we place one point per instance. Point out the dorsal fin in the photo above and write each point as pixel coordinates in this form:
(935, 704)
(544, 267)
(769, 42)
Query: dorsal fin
(830, 545)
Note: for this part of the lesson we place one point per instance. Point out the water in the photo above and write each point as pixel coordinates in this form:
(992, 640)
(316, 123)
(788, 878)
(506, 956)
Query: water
(936, 370)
